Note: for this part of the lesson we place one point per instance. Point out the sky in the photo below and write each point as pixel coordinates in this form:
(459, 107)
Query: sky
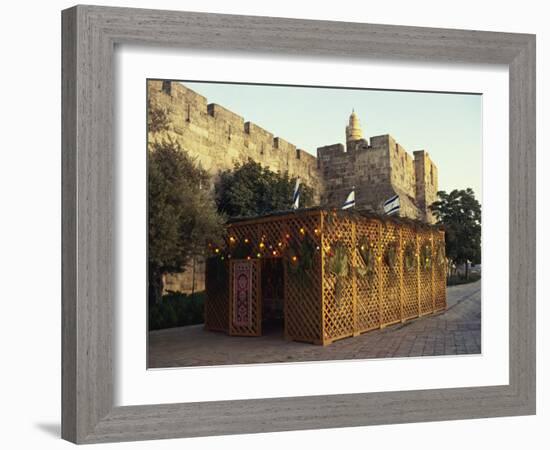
(447, 126)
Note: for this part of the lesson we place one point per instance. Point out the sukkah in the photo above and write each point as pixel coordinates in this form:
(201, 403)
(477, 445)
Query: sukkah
(330, 274)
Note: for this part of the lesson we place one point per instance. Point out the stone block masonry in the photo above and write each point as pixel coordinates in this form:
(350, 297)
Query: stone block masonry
(218, 138)
(377, 171)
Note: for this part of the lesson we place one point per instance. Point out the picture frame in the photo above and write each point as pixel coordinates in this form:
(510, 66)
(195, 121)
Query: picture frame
(90, 34)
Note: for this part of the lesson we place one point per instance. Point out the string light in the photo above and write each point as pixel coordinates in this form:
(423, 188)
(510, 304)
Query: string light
(246, 241)
(302, 231)
(262, 245)
(217, 250)
(294, 258)
(280, 244)
(258, 255)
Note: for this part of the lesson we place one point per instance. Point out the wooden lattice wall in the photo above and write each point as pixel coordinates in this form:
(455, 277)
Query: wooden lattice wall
(386, 294)
(216, 306)
(319, 306)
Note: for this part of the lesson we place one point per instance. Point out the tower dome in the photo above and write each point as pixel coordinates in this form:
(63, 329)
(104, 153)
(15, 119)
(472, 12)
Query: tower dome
(353, 130)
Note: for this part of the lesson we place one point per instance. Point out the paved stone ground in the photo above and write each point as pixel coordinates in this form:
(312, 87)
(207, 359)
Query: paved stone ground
(453, 332)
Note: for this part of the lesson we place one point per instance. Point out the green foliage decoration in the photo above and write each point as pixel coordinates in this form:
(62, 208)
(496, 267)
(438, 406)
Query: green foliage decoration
(219, 270)
(366, 251)
(390, 255)
(300, 256)
(339, 265)
(426, 257)
(409, 257)
(241, 249)
(440, 261)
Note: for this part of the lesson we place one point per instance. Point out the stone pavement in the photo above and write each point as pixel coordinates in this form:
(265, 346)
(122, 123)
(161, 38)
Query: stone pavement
(453, 332)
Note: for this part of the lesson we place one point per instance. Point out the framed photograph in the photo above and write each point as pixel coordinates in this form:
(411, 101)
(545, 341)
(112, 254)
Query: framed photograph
(268, 230)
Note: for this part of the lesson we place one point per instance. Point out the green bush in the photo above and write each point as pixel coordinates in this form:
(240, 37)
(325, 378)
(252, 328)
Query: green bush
(459, 279)
(177, 310)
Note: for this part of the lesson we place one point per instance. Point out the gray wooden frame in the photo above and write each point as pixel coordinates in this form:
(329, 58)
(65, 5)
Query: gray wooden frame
(89, 36)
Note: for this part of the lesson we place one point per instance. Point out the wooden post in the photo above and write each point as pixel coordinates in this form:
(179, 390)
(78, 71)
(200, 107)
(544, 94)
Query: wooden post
(354, 276)
(322, 277)
(432, 241)
(379, 262)
(401, 271)
(284, 229)
(417, 274)
(257, 270)
(230, 297)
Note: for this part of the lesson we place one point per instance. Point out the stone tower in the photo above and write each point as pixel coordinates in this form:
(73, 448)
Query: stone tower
(353, 130)
(377, 169)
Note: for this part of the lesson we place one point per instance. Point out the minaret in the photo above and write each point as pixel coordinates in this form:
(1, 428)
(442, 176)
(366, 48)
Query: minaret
(353, 130)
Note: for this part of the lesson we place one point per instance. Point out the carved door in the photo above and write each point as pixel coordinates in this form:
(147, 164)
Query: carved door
(245, 309)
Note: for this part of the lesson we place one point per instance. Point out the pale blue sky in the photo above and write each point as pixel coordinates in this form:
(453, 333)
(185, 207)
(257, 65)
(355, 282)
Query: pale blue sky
(447, 126)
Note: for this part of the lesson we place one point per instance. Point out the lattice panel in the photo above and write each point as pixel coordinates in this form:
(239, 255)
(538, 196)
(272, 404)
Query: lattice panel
(338, 292)
(316, 309)
(216, 306)
(410, 277)
(254, 329)
(303, 291)
(390, 291)
(367, 287)
(439, 276)
(425, 287)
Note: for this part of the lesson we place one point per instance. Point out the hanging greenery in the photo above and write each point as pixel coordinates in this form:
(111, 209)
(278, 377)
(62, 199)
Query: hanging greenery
(366, 251)
(390, 255)
(218, 270)
(426, 257)
(440, 261)
(241, 249)
(338, 261)
(409, 257)
(300, 256)
(338, 264)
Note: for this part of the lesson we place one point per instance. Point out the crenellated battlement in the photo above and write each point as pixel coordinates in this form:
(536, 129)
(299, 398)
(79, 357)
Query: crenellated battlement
(377, 171)
(378, 167)
(218, 138)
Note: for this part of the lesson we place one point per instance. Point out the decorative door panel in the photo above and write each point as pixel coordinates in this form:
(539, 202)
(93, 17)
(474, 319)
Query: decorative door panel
(245, 312)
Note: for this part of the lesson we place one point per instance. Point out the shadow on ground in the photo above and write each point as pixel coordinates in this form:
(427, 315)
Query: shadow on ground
(456, 331)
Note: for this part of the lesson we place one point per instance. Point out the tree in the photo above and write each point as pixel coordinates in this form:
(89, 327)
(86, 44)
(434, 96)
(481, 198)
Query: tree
(251, 189)
(158, 116)
(182, 214)
(460, 213)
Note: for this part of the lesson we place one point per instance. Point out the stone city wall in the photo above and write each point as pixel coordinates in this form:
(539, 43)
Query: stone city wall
(378, 171)
(218, 138)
